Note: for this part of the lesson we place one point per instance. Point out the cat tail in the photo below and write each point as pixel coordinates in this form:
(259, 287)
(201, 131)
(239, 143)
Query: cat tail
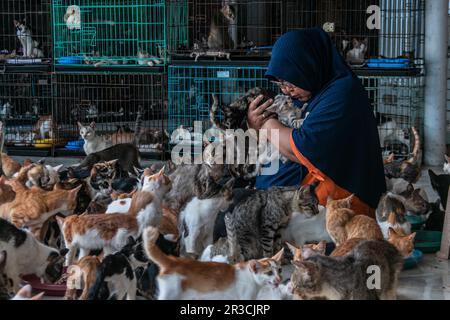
(138, 128)
(416, 151)
(154, 253)
(234, 250)
(213, 112)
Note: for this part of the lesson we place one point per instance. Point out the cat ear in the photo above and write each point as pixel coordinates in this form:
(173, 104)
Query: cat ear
(92, 125)
(254, 266)
(392, 219)
(63, 252)
(278, 256)
(321, 247)
(296, 252)
(411, 236)
(74, 191)
(349, 199)
(163, 169)
(80, 125)
(60, 221)
(57, 168)
(410, 188)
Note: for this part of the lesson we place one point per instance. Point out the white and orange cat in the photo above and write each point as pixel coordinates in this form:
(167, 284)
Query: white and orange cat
(110, 232)
(186, 279)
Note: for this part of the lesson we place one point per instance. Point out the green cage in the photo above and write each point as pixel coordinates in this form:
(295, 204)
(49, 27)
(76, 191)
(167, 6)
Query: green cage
(113, 33)
(398, 103)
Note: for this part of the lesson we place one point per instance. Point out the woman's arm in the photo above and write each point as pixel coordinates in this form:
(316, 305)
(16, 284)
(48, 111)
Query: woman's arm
(284, 142)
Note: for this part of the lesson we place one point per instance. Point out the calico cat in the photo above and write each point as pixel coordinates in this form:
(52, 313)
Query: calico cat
(25, 37)
(181, 278)
(115, 278)
(440, 184)
(33, 207)
(111, 231)
(255, 225)
(343, 223)
(26, 255)
(84, 274)
(391, 212)
(126, 154)
(219, 34)
(43, 176)
(344, 278)
(101, 178)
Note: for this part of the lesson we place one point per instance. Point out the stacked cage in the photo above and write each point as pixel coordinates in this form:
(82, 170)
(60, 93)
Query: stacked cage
(121, 107)
(26, 111)
(25, 33)
(112, 33)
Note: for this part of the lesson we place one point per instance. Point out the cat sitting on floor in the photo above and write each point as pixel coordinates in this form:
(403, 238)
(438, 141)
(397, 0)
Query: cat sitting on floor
(29, 45)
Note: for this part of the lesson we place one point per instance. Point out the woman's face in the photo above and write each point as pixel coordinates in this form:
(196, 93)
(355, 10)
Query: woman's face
(294, 91)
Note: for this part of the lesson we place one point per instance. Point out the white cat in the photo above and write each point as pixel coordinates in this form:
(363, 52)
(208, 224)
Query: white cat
(92, 142)
(6, 110)
(72, 18)
(447, 165)
(302, 229)
(144, 58)
(26, 255)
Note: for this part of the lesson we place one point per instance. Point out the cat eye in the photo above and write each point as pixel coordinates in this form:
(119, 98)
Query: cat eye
(270, 273)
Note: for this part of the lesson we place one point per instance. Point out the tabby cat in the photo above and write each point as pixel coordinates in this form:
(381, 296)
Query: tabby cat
(219, 34)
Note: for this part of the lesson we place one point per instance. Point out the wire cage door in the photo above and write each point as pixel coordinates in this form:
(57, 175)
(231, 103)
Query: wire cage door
(115, 33)
(26, 110)
(25, 32)
(123, 108)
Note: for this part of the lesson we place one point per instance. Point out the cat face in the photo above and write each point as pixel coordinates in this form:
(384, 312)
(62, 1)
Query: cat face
(54, 268)
(21, 27)
(228, 12)
(306, 278)
(87, 132)
(403, 243)
(306, 201)
(267, 271)
(158, 183)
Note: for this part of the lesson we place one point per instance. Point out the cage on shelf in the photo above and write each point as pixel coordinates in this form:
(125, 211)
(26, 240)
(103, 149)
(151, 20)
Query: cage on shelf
(25, 32)
(124, 108)
(191, 90)
(26, 110)
(114, 33)
(379, 34)
(223, 29)
(398, 104)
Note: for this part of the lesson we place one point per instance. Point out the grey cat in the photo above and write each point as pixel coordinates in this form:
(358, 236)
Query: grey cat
(346, 277)
(255, 224)
(219, 33)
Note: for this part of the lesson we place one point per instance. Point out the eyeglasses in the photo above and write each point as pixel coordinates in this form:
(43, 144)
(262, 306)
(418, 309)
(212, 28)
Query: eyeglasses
(284, 84)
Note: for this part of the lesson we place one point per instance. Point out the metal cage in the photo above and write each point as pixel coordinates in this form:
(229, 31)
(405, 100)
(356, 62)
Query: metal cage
(109, 32)
(26, 109)
(398, 103)
(113, 102)
(242, 28)
(400, 31)
(191, 88)
(25, 31)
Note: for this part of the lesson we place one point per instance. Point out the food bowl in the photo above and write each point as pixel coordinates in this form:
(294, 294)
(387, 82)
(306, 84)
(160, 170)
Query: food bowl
(43, 143)
(428, 241)
(413, 260)
(75, 145)
(52, 290)
(71, 60)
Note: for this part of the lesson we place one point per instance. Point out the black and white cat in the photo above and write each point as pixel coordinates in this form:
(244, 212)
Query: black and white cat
(26, 255)
(25, 36)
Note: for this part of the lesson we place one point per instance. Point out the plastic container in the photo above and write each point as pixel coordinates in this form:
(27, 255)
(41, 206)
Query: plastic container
(389, 63)
(71, 60)
(416, 222)
(428, 241)
(52, 290)
(413, 260)
(75, 145)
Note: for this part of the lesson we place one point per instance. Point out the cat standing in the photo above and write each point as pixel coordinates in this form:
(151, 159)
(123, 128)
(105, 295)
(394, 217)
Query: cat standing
(185, 279)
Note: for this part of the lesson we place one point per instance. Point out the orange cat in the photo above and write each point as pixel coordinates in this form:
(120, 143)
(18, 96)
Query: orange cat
(342, 223)
(82, 275)
(403, 243)
(9, 165)
(186, 279)
(32, 207)
(110, 232)
(346, 247)
(7, 194)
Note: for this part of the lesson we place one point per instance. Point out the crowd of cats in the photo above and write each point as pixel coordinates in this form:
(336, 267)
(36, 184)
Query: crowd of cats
(202, 231)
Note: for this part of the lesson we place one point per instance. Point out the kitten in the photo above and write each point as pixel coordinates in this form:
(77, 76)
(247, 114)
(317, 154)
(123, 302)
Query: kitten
(26, 255)
(307, 250)
(219, 34)
(344, 278)
(145, 58)
(357, 54)
(256, 223)
(93, 142)
(33, 207)
(111, 231)
(198, 217)
(126, 154)
(45, 127)
(440, 184)
(82, 277)
(9, 165)
(25, 36)
(392, 213)
(403, 243)
(72, 18)
(25, 293)
(115, 276)
(343, 223)
(181, 278)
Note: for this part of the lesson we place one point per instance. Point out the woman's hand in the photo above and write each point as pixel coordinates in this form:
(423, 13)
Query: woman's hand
(257, 114)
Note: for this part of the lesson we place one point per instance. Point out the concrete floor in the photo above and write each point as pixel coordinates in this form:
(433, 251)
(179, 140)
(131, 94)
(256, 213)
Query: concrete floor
(430, 280)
